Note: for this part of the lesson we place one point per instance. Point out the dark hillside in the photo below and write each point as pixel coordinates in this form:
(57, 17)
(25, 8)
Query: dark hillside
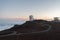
(34, 26)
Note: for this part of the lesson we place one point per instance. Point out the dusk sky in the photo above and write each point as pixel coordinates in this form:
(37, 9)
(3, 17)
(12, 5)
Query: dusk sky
(23, 8)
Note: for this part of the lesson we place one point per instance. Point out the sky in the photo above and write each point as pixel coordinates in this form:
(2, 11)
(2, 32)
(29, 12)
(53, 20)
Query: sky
(44, 9)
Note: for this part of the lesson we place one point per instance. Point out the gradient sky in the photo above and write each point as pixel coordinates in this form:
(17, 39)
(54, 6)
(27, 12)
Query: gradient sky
(24, 8)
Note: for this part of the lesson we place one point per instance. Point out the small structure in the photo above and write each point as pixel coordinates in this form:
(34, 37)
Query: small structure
(56, 19)
(31, 18)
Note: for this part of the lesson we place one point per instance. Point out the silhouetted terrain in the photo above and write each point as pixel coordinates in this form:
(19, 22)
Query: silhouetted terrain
(34, 26)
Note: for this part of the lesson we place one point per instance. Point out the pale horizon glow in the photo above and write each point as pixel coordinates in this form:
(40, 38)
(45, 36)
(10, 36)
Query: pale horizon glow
(21, 9)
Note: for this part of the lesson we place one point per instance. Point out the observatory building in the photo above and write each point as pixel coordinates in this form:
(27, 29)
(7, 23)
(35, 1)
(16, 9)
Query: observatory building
(56, 19)
(31, 18)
